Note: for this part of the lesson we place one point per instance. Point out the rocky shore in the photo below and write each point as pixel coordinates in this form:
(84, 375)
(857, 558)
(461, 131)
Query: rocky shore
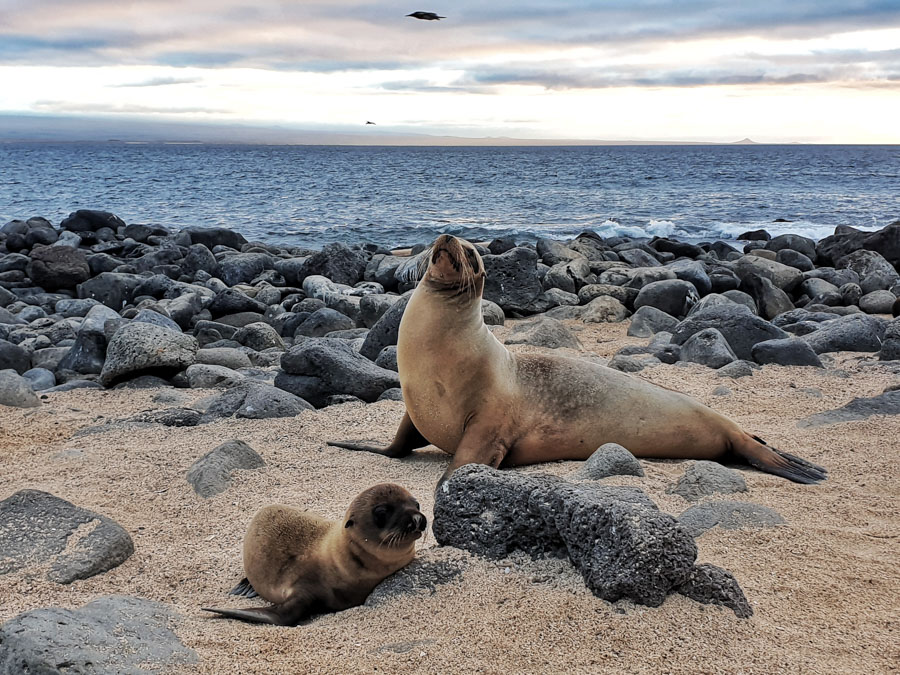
(98, 303)
(157, 387)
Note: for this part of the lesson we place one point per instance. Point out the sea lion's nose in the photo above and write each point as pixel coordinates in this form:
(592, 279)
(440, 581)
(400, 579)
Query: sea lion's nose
(420, 522)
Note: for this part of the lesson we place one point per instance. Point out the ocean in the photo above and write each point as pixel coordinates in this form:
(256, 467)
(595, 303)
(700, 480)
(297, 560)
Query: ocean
(312, 195)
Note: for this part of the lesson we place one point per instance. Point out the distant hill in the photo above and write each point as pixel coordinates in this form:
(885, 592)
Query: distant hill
(59, 128)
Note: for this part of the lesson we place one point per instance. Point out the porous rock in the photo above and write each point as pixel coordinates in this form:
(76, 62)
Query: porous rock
(623, 549)
(712, 585)
(511, 279)
(139, 347)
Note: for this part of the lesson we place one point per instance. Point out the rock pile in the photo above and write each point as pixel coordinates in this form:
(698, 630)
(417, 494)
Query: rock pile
(98, 302)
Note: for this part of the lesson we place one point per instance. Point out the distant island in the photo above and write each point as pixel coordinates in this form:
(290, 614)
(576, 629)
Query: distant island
(59, 128)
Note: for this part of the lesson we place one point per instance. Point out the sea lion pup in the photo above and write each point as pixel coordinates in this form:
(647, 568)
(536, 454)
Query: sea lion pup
(306, 565)
(468, 395)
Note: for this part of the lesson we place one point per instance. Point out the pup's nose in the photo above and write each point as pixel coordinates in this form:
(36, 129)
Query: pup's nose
(420, 522)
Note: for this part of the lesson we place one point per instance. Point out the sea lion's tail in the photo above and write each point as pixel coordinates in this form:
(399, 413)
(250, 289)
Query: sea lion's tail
(762, 456)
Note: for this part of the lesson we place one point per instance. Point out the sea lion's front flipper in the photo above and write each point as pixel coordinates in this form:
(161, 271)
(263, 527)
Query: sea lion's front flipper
(405, 441)
(244, 588)
(766, 458)
(288, 613)
(481, 444)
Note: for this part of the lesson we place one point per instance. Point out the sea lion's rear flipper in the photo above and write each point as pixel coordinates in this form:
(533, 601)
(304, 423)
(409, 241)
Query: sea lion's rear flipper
(405, 441)
(766, 458)
(288, 613)
(244, 588)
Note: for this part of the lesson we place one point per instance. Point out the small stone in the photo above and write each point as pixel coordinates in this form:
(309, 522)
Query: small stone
(610, 459)
(727, 515)
(543, 331)
(713, 585)
(703, 478)
(211, 474)
(16, 391)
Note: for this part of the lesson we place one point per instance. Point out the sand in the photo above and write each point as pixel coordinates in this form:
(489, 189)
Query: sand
(824, 587)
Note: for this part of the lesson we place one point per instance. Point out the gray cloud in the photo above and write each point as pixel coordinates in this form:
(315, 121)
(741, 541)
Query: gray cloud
(114, 108)
(160, 82)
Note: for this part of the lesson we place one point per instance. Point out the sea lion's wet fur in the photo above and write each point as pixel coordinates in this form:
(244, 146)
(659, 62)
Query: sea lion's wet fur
(304, 564)
(471, 397)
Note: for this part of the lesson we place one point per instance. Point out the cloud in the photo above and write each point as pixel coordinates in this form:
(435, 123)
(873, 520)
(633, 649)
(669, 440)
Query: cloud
(159, 82)
(122, 108)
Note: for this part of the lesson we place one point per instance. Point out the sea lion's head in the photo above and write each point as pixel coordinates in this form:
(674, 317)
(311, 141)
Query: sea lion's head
(454, 266)
(386, 516)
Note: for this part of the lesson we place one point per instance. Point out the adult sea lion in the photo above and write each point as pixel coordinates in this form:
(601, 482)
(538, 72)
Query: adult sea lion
(306, 565)
(468, 395)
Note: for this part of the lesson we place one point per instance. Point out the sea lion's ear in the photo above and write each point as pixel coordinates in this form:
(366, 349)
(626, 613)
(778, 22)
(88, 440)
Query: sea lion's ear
(348, 524)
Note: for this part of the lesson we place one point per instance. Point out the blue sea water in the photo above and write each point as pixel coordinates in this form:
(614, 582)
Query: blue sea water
(312, 195)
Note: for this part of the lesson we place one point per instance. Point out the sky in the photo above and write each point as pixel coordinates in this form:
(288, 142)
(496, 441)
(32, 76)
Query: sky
(817, 71)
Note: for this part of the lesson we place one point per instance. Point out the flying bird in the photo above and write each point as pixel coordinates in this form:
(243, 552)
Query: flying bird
(367, 122)
(426, 16)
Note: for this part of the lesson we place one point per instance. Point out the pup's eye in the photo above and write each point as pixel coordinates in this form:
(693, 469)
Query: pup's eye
(380, 514)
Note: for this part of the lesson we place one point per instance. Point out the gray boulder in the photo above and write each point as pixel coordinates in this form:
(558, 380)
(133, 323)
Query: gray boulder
(142, 347)
(258, 336)
(727, 515)
(854, 333)
(672, 296)
(610, 459)
(373, 307)
(203, 376)
(543, 331)
(38, 528)
(887, 403)
(157, 319)
(877, 302)
(337, 262)
(385, 330)
(340, 368)
(770, 300)
(211, 474)
(740, 327)
(783, 276)
(40, 378)
(511, 279)
(13, 357)
(242, 268)
(875, 273)
(552, 252)
(223, 356)
(737, 369)
(255, 401)
(693, 272)
(387, 359)
(215, 236)
(890, 347)
(709, 348)
(603, 309)
(785, 352)
(55, 267)
(232, 301)
(492, 313)
(647, 321)
(703, 478)
(568, 276)
(324, 321)
(16, 391)
(794, 242)
(113, 289)
(622, 547)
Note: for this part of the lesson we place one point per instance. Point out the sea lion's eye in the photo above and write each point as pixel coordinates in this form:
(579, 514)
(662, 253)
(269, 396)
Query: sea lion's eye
(380, 514)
